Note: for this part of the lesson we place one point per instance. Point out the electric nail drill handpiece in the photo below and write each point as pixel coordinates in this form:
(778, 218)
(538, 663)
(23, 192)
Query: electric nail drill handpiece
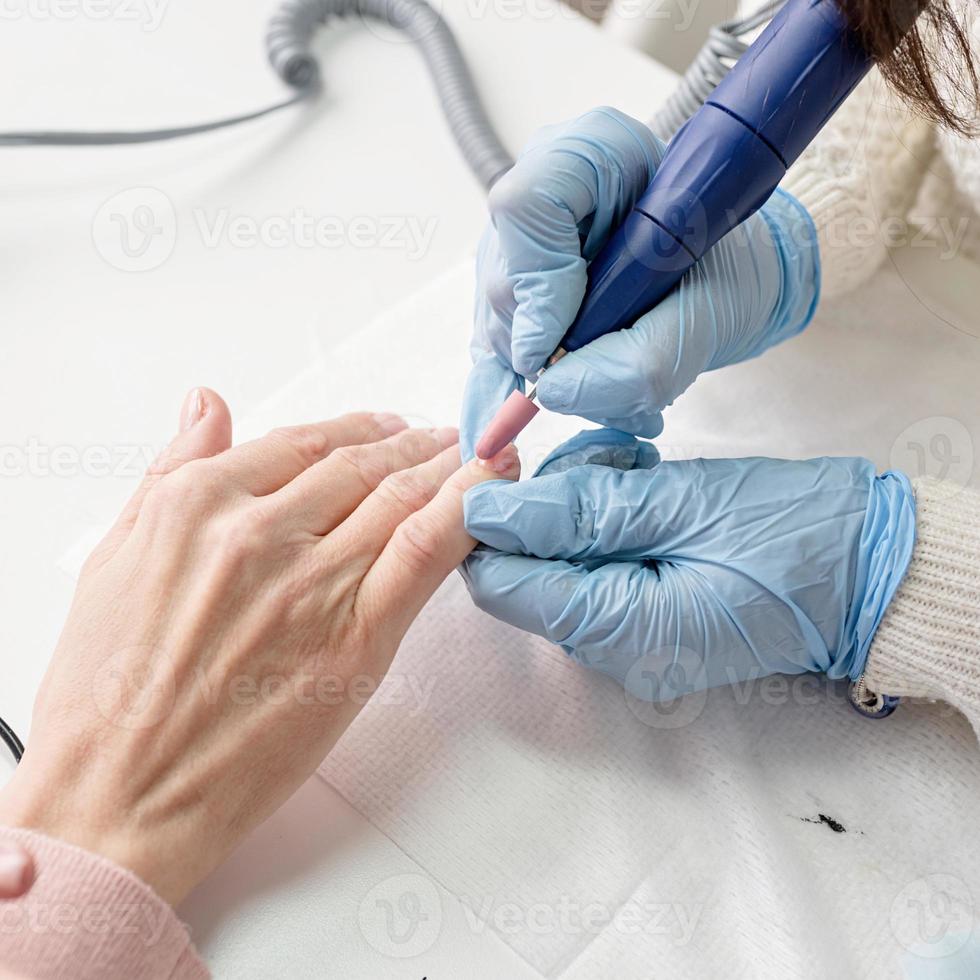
(720, 167)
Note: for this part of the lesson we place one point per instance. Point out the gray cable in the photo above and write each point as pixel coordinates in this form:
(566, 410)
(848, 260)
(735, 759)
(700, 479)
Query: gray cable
(291, 33)
(713, 62)
(293, 27)
(289, 37)
(55, 137)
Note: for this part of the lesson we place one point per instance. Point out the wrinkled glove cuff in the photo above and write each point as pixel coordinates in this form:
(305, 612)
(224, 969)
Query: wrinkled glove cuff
(794, 236)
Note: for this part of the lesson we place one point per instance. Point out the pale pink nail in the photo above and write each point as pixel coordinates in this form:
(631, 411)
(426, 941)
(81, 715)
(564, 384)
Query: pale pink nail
(193, 409)
(16, 870)
(505, 461)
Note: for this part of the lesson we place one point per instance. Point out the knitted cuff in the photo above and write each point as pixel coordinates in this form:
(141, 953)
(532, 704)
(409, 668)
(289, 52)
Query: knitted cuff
(87, 918)
(833, 209)
(928, 643)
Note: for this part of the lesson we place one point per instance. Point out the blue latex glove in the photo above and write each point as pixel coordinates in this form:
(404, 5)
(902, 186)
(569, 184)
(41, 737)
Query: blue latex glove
(675, 576)
(550, 214)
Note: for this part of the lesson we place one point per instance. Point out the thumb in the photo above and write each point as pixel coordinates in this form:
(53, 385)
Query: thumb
(205, 430)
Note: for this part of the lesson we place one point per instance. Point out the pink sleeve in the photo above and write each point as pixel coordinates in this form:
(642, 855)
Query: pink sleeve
(87, 918)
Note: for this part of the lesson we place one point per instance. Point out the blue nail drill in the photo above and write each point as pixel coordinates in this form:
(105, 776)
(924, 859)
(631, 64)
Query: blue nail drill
(720, 167)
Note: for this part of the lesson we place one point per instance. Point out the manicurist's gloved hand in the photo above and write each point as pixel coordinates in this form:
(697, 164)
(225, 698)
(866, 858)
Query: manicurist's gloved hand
(550, 215)
(675, 576)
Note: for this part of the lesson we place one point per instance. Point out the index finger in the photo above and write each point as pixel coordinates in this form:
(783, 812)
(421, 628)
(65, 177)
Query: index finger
(591, 171)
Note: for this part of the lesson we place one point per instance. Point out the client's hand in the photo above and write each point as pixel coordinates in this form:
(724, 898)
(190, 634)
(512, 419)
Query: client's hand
(550, 215)
(676, 576)
(207, 662)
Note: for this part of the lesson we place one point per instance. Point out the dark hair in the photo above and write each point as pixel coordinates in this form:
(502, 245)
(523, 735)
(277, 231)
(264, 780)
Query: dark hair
(933, 57)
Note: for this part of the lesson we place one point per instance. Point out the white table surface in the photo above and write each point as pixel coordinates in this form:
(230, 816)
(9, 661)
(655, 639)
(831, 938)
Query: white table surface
(96, 358)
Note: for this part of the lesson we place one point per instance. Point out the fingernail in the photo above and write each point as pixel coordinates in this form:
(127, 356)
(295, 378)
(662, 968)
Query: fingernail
(448, 436)
(16, 870)
(505, 462)
(390, 423)
(193, 409)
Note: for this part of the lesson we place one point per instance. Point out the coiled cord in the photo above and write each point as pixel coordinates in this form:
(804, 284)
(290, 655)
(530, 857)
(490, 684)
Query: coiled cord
(713, 62)
(291, 32)
(288, 43)
(288, 40)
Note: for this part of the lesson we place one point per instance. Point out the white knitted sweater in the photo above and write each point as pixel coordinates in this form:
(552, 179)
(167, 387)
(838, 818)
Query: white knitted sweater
(875, 174)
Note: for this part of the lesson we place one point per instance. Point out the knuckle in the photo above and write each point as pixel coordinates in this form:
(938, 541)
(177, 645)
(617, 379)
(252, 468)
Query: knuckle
(499, 294)
(192, 487)
(483, 597)
(509, 196)
(458, 482)
(618, 127)
(598, 115)
(162, 496)
(308, 441)
(602, 115)
(657, 378)
(407, 489)
(414, 446)
(166, 462)
(299, 589)
(242, 535)
(356, 420)
(93, 562)
(621, 142)
(366, 463)
(416, 542)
